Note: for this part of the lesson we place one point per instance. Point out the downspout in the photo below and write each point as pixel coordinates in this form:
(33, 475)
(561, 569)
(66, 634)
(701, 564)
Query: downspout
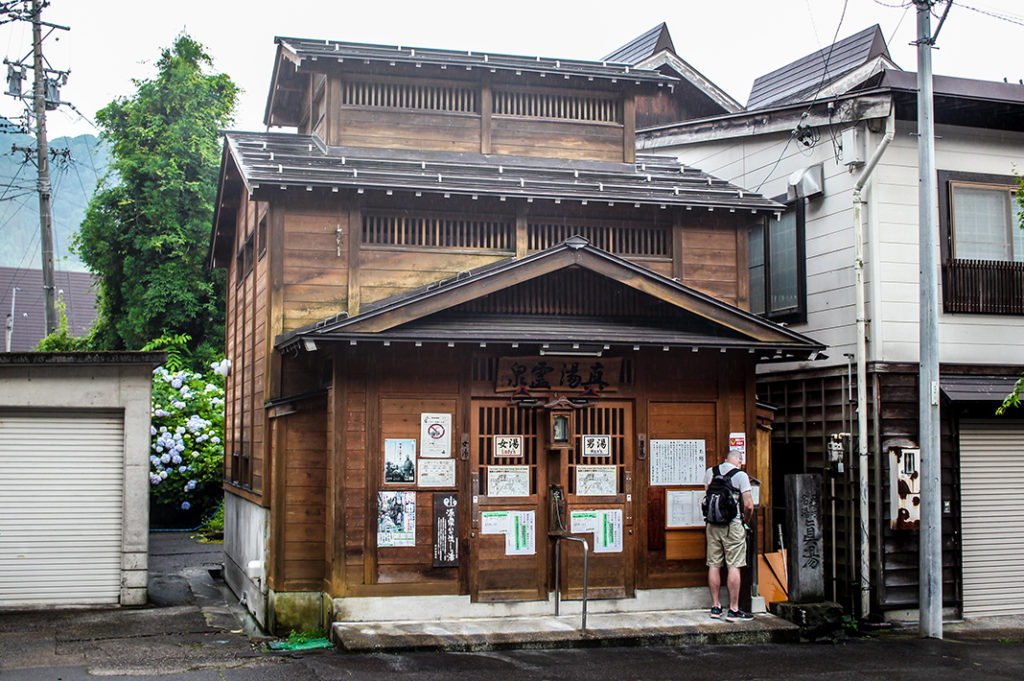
(862, 365)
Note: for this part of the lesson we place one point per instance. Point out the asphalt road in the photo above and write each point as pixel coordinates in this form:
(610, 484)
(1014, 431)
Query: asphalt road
(188, 633)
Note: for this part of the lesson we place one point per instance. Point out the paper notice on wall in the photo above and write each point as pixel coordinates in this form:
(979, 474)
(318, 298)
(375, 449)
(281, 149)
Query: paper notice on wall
(436, 473)
(682, 508)
(677, 462)
(738, 445)
(508, 481)
(582, 522)
(494, 522)
(435, 435)
(604, 525)
(521, 537)
(597, 480)
(396, 519)
(608, 533)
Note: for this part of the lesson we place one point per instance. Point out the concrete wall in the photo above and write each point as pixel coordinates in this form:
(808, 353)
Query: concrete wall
(107, 381)
(246, 531)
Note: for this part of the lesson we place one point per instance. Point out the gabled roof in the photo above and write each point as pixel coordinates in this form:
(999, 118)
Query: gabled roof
(436, 313)
(307, 55)
(644, 46)
(803, 78)
(654, 50)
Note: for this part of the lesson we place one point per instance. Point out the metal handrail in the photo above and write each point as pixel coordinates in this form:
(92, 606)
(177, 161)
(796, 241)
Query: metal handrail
(558, 573)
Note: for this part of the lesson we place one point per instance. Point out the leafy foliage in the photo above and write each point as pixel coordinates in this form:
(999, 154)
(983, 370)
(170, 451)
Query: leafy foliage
(176, 347)
(61, 340)
(147, 229)
(187, 448)
(1014, 398)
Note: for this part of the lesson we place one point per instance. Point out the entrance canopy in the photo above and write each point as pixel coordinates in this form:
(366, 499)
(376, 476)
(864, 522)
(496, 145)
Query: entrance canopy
(572, 296)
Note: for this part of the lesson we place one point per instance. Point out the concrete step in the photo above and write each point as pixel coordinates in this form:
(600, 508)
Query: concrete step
(671, 627)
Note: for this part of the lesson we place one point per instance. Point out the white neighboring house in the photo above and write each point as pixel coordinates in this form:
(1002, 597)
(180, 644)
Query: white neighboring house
(803, 138)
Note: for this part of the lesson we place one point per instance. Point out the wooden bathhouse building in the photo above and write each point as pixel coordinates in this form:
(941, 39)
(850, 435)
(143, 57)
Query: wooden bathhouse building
(465, 319)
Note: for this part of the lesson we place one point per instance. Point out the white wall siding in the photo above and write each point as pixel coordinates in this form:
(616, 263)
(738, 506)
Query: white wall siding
(246, 530)
(963, 338)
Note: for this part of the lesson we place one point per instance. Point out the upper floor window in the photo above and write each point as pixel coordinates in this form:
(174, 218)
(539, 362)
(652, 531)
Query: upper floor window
(983, 222)
(982, 243)
(777, 273)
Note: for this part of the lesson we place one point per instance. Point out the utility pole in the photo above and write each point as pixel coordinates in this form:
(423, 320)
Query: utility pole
(43, 166)
(930, 546)
(45, 96)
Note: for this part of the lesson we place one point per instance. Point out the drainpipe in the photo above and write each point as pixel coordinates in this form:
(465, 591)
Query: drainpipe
(862, 365)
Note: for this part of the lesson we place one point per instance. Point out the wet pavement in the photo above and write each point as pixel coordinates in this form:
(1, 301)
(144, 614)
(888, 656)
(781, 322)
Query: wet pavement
(192, 630)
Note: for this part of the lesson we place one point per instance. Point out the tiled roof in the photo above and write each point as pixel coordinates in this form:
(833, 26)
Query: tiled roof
(316, 50)
(292, 160)
(75, 288)
(805, 76)
(644, 46)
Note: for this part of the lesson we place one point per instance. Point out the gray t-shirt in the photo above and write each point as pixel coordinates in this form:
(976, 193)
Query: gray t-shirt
(740, 481)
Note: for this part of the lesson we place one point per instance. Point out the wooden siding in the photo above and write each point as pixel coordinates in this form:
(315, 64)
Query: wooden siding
(517, 136)
(246, 347)
(410, 130)
(814, 405)
(298, 529)
(315, 276)
(710, 252)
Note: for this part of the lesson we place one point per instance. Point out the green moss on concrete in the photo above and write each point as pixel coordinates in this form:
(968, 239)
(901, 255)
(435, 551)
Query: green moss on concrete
(293, 611)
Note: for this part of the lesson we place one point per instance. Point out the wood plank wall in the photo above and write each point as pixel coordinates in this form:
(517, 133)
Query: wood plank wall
(246, 346)
(811, 406)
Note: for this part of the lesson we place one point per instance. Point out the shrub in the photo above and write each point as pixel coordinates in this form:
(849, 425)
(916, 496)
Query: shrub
(187, 446)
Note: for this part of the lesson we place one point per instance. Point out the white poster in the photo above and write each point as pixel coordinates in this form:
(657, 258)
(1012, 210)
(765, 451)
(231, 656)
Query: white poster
(396, 518)
(604, 525)
(435, 435)
(582, 522)
(519, 528)
(494, 522)
(677, 462)
(508, 481)
(608, 533)
(400, 461)
(596, 445)
(436, 472)
(682, 508)
(597, 480)
(507, 446)
(521, 537)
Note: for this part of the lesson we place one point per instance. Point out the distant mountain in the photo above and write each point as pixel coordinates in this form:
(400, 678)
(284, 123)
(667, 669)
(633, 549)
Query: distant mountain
(73, 177)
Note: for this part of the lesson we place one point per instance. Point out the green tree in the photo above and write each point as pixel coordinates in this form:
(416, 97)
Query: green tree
(1014, 398)
(147, 229)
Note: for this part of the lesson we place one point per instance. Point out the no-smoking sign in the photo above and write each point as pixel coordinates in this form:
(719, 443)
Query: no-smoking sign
(435, 435)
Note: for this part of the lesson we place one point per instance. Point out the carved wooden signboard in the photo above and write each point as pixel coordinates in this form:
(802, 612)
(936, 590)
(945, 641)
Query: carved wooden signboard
(558, 374)
(446, 530)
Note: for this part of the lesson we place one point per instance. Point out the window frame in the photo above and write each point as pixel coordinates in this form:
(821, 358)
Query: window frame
(947, 180)
(798, 313)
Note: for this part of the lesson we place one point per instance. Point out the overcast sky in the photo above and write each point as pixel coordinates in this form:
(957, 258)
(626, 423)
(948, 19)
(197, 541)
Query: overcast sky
(731, 43)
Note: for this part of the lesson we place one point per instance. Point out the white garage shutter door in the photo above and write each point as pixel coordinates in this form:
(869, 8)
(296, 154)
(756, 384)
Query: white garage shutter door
(61, 489)
(991, 479)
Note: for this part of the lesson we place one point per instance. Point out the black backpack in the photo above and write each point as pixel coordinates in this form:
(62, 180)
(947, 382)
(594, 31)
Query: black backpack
(719, 505)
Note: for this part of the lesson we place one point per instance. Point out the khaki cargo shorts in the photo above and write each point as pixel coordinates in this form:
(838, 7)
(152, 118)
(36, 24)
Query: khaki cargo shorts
(727, 544)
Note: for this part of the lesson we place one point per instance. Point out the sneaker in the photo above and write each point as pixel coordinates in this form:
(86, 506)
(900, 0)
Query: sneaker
(738, 616)
(716, 612)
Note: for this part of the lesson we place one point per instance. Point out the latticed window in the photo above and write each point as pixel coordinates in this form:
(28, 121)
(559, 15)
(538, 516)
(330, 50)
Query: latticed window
(593, 108)
(632, 241)
(422, 97)
(392, 229)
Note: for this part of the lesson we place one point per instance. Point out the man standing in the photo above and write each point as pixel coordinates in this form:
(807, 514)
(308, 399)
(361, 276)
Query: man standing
(727, 543)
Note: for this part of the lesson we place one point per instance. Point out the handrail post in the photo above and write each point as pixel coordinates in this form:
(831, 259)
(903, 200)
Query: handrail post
(586, 575)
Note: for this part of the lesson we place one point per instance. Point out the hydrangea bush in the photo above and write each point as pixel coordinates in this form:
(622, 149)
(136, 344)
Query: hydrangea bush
(187, 446)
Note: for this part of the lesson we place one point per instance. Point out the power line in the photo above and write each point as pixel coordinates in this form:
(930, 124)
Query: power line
(1002, 16)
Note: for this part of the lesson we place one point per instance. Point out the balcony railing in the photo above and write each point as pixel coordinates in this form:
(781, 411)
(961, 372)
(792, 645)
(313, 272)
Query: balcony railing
(983, 286)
